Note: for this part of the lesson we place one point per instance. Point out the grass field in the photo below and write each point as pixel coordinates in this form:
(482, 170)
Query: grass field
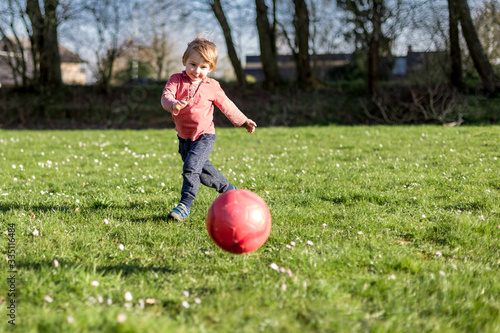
(375, 229)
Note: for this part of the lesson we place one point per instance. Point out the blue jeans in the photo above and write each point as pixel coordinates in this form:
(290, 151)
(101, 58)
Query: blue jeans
(198, 169)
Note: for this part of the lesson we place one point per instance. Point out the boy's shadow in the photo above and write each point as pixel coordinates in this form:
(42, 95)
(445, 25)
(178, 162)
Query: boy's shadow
(120, 268)
(132, 211)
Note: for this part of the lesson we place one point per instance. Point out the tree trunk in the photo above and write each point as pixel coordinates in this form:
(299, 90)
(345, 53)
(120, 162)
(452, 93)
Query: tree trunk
(274, 28)
(160, 51)
(51, 50)
(35, 16)
(46, 43)
(304, 72)
(374, 45)
(268, 54)
(107, 70)
(233, 56)
(455, 52)
(483, 67)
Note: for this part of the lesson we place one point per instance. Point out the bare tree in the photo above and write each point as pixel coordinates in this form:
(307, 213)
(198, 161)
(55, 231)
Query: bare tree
(481, 62)
(377, 14)
(487, 23)
(216, 8)
(325, 32)
(157, 31)
(267, 41)
(108, 18)
(373, 26)
(308, 27)
(298, 40)
(367, 17)
(44, 26)
(29, 31)
(226, 29)
(160, 49)
(15, 47)
(304, 72)
(455, 52)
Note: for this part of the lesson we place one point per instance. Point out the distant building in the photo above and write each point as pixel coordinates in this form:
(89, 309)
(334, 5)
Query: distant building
(133, 62)
(286, 63)
(328, 67)
(399, 68)
(139, 62)
(73, 68)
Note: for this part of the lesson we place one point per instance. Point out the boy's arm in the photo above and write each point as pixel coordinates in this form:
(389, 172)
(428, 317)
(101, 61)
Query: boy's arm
(232, 112)
(250, 125)
(168, 100)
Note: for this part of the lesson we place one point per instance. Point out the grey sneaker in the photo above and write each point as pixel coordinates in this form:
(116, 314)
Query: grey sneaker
(179, 213)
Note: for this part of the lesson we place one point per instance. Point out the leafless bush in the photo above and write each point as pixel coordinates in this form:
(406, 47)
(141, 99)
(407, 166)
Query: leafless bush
(433, 104)
(439, 103)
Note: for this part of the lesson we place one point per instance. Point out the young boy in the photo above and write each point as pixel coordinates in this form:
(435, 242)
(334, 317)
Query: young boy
(190, 97)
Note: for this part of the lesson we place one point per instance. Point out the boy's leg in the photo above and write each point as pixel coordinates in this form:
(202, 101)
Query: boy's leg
(195, 155)
(212, 178)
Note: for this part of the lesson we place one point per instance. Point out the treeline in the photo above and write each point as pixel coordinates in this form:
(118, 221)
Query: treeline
(370, 29)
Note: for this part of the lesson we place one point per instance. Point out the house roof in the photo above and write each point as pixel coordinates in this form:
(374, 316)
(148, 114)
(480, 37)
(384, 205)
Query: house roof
(65, 54)
(68, 56)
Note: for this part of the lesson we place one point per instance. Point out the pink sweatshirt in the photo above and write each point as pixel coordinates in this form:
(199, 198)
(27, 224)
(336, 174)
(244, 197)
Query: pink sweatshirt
(197, 117)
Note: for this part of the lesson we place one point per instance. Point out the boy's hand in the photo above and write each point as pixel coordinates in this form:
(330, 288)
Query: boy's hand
(181, 105)
(250, 125)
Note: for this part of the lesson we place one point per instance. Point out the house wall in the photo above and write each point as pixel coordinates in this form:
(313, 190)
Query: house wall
(72, 66)
(71, 73)
(6, 78)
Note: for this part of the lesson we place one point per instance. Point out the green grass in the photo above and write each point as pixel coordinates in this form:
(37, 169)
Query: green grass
(396, 229)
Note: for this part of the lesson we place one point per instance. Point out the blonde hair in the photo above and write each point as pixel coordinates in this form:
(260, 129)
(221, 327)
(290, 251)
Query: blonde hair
(205, 48)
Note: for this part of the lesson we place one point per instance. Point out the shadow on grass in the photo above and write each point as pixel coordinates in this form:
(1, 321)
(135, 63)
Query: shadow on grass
(119, 268)
(468, 206)
(159, 218)
(6, 206)
(126, 269)
(353, 198)
(118, 211)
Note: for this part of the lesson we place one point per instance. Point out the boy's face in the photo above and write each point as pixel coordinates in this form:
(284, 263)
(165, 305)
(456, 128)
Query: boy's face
(196, 67)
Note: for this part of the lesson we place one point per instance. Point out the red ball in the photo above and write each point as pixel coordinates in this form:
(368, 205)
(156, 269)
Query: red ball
(239, 221)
